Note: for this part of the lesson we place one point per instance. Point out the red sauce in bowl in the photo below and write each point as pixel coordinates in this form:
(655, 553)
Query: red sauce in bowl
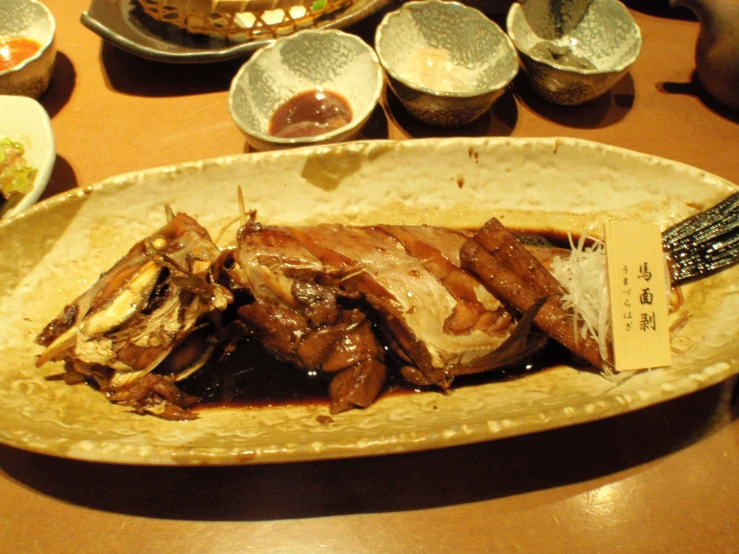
(310, 114)
(14, 50)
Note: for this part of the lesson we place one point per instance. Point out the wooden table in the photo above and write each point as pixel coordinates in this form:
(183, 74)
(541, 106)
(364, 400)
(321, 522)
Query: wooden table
(663, 479)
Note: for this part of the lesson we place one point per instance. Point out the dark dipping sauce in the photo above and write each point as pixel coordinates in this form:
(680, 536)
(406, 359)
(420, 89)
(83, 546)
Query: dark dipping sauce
(251, 377)
(309, 114)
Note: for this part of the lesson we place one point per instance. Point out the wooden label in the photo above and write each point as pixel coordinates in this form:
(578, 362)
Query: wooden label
(639, 296)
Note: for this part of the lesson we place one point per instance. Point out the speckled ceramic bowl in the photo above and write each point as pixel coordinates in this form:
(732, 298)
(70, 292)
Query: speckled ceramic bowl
(574, 51)
(331, 61)
(29, 19)
(446, 62)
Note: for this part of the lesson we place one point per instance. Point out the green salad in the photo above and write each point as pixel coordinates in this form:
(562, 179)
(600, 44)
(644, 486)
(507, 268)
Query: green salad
(16, 178)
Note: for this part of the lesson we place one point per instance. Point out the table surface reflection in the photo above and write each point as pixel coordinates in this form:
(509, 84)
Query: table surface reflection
(662, 479)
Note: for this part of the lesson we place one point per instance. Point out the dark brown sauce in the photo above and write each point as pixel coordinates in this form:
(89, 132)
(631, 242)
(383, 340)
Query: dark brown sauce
(309, 114)
(253, 378)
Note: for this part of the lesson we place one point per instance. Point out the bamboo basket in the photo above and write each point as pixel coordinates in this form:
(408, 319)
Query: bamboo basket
(243, 20)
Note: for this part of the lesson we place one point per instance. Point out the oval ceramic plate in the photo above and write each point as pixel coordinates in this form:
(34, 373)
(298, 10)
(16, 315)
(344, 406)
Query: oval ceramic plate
(125, 24)
(56, 249)
(24, 120)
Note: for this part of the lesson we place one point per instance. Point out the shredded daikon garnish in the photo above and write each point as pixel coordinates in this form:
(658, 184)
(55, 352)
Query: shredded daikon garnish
(584, 275)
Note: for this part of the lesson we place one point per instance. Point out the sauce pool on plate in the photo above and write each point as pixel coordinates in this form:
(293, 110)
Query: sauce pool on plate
(309, 114)
(14, 50)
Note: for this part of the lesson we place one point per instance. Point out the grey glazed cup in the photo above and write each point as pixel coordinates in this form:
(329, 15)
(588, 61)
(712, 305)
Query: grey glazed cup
(476, 47)
(573, 51)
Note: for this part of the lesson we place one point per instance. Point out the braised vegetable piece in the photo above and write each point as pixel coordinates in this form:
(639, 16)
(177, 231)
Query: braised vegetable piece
(513, 274)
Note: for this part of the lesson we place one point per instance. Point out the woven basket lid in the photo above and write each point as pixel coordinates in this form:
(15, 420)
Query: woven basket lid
(232, 6)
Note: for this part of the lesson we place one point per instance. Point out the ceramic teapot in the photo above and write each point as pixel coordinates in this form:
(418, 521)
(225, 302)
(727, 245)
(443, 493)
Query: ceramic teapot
(717, 50)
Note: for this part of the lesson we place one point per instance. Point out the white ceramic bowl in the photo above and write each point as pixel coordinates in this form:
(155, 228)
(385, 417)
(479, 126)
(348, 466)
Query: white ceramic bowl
(29, 19)
(574, 51)
(24, 120)
(447, 63)
(327, 60)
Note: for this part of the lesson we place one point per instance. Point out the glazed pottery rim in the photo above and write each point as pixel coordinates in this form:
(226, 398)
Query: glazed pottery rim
(357, 120)
(623, 66)
(45, 43)
(500, 85)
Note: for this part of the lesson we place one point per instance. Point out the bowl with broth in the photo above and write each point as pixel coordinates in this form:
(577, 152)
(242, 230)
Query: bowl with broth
(446, 62)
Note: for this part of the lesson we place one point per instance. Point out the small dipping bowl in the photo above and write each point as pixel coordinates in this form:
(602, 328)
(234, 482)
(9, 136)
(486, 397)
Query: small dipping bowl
(574, 51)
(329, 62)
(447, 63)
(28, 19)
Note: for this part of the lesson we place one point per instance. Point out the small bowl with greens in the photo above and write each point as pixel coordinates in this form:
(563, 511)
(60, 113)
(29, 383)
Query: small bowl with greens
(27, 153)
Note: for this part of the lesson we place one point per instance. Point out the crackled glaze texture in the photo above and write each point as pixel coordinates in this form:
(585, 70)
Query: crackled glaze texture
(331, 60)
(603, 32)
(30, 19)
(481, 57)
(52, 252)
